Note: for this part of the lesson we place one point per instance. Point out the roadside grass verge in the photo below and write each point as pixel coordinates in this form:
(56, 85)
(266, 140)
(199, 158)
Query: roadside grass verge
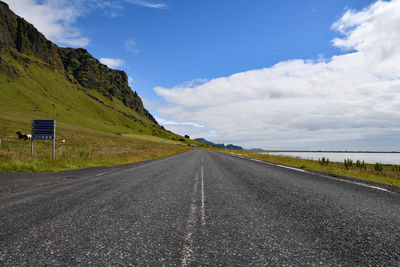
(155, 139)
(82, 148)
(381, 173)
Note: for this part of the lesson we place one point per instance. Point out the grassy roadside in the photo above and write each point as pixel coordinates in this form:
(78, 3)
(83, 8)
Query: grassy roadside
(83, 148)
(386, 174)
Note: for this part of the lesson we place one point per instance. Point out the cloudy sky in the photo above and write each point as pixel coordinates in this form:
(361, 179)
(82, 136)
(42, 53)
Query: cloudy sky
(277, 74)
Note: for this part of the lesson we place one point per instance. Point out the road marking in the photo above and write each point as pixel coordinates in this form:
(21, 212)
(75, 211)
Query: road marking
(321, 175)
(203, 212)
(333, 178)
(187, 251)
(97, 175)
(356, 183)
(283, 166)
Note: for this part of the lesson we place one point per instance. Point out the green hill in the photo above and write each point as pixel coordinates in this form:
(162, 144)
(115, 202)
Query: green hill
(39, 80)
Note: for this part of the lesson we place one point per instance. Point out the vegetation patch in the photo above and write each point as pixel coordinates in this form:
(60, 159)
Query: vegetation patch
(380, 173)
(82, 148)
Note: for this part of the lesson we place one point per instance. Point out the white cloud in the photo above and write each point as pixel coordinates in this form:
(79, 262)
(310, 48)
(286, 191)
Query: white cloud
(147, 3)
(350, 101)
(185, 127)
(55, 19)
(188, 123)
(112, 62)
(130, 45)
(131, 81)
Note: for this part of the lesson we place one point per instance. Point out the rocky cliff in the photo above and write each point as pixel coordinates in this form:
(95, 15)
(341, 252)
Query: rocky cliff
(21, 44)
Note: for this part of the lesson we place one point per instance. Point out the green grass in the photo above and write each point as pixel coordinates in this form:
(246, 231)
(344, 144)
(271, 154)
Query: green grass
(99, 131)
(46, 94)
(155, 139)
(83, 148)
(385, 174)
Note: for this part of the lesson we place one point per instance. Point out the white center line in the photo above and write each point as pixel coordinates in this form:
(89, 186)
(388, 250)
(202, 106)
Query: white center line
(203, 212)
(187, 251)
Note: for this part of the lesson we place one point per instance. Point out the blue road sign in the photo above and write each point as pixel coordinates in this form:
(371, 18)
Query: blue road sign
(43, 129)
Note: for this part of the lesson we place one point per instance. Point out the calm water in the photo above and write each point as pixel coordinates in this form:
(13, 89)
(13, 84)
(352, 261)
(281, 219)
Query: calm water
(384, 158)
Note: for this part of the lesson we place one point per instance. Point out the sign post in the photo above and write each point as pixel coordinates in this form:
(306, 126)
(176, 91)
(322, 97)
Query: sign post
(44, 130)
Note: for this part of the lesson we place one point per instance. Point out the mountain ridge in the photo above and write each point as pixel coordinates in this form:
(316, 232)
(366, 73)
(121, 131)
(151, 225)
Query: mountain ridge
(229, 146)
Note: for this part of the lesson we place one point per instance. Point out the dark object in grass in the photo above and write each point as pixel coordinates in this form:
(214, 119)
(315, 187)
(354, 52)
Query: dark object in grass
(23, 136)
(378, 167)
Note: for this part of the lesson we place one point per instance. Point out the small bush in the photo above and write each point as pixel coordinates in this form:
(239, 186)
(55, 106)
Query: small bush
(323, 161)
(361, 165)
(378, 167)
(348, 163)
(396, 168)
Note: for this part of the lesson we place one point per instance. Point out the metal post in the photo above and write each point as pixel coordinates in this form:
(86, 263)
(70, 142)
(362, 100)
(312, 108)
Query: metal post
(32, 140)
(54, 141)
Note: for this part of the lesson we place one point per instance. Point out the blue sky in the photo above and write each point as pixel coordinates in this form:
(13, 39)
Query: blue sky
(190, 40)
(277, 74)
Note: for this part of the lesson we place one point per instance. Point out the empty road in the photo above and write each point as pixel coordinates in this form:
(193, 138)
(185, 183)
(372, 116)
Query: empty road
(201, 208)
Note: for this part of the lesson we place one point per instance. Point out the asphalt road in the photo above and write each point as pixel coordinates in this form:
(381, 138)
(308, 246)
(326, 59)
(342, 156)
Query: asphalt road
(201, 208)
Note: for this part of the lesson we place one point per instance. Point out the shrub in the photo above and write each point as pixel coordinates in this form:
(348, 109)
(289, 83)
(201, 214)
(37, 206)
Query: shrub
(323, 161)
(378, 167)
(348, 163)
(361, 165)
(396, 168)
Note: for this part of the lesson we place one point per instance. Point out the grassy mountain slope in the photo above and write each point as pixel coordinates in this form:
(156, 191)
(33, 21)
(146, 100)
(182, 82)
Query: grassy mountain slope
(101, 118)
(45, 93)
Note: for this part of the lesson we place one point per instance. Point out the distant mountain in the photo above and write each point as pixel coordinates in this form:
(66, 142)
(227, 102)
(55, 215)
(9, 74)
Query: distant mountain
(202, 140)
(230, 146)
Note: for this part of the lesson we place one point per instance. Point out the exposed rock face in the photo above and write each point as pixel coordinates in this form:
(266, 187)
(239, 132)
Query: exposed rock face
(22, 43)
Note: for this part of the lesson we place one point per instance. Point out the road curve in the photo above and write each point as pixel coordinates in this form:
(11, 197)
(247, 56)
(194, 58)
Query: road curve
(201, 208)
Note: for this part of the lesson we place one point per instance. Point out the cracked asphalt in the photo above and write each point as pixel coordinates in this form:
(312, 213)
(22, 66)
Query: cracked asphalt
(196, 208)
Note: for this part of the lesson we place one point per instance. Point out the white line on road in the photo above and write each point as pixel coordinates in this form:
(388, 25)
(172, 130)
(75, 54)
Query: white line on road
(187, 251)
(282, 166)
(356, 183)
(203, 212)
(321, 175)
(97, 175)
(330, 177)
